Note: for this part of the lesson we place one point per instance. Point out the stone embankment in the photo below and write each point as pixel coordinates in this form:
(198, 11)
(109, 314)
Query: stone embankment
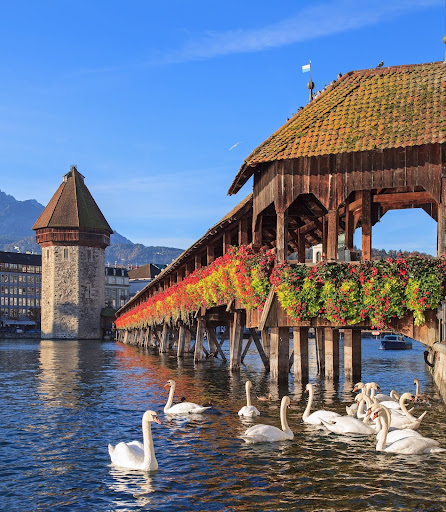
(438, 360)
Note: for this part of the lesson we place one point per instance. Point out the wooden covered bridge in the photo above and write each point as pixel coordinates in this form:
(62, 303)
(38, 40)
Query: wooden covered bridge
(372, 141)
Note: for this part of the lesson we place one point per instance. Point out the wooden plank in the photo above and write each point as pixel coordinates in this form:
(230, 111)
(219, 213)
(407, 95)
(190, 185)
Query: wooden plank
(245, 350)
(267, 308)
(266, 341)
(259, 347)
(403, 198)
(441, 224)
(243, 231)
(400, 170)
(257, 228)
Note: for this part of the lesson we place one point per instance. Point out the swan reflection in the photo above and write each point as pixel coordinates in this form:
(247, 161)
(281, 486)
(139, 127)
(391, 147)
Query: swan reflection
(137, 485)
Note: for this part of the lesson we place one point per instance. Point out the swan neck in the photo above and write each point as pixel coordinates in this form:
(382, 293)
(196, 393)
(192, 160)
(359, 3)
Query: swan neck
(310, 402)
(170, 399)
(403, 406)
(380, 445)
(248, 396)
(283, 420)
(372, 392)
(149, 450)
(417, 384)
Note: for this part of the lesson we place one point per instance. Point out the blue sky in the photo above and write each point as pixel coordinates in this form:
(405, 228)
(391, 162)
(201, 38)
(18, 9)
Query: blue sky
(147, 98)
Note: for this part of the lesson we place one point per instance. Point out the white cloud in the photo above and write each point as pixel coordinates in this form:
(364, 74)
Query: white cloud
(309, 23)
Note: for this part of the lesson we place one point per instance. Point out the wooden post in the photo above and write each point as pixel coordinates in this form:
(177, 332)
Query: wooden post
(199, 340)
(300, 342)
(331, 353)
(279, 362)
(243, 232)
(352, 354)
(366, 222)
(349, 228)
(320, 350)
(282, 237)
(258, 344)
(236, 339)
(324, 237)
(213, 341)
(332, 235)
(441, 225)
(210, 254)
(266, 341)
(257, 227)
(164, 339)
(181, 340)
(197, 261)
(300, 246)
(226, 241)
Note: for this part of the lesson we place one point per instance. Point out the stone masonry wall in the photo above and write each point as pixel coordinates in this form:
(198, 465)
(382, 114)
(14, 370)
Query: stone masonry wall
(73, 292)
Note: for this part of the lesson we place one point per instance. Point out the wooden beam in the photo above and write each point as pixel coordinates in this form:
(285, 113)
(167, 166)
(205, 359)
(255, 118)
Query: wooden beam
(236, 339)
(164, 344)
(259, 347)
(352, 354)
(280, 354)
(212, 337)
(243, 231)
(300, 247)
(349, 230)
(245, 351)
(257, 228)
(267, 308)
(331, 353)
(332, 235)
(199, 340)
(366, 222)
(441, 224)
(282, 237)
(403, 198)
(320, 350)
(226, 241)
(300, 362)
(210, 254)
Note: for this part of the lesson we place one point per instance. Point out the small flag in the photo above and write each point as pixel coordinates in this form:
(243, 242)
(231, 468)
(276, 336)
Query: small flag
(306, 68)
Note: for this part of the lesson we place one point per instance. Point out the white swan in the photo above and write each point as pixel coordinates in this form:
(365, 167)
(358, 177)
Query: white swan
(135, 455)
(407, 446)
(395, 434)
(183, 407)
(316, 417)
(248, 410)
(419, 397)
(350, 425)
(268, 433)
(405, 419)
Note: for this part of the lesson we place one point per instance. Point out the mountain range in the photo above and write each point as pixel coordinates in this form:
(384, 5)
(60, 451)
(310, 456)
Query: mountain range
(18, 217)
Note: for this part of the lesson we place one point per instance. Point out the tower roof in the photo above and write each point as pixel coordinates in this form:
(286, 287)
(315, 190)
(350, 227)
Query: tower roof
(72, 206)
(371, 109)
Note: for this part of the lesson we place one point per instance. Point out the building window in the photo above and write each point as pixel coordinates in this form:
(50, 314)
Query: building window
(89, 255)
(65, 254)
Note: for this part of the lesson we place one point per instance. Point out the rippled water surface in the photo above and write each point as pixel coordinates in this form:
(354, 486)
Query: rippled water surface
(62, 402)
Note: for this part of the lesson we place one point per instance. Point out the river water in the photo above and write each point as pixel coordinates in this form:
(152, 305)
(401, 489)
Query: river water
(62, 402)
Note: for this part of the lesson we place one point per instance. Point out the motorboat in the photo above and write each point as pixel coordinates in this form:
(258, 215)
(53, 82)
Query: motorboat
(395, 342)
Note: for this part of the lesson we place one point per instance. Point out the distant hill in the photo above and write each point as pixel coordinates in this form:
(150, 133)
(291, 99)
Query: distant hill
(18, 217)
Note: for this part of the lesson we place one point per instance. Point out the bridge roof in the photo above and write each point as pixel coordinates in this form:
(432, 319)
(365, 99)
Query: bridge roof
(365, 110)
(72, 206)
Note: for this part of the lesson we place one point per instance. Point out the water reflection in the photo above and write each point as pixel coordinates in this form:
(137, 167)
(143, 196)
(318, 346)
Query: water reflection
(136, 485)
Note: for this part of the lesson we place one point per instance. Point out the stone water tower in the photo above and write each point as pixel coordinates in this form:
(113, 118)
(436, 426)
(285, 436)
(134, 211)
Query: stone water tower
(73, 235)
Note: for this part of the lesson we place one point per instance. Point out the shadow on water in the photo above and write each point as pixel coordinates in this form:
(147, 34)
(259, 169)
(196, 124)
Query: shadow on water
(64, 401)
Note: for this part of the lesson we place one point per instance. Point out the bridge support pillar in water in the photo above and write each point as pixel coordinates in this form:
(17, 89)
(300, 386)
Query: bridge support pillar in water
(352, 354)
(236, 339)
(280, 354)
(320, 349)
(300, 345)
(331, 353)
(199, 339)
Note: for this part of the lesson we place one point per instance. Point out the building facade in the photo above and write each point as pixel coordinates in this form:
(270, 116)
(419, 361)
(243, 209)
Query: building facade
(116, 287)
(20, 290)
(73, 235)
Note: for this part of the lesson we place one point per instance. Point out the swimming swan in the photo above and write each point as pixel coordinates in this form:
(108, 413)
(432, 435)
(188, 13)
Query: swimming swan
(350, 425)
(408, 445)
(183, 407)
(248, 410)
(316, 417)
(135, 455)
(268, 433)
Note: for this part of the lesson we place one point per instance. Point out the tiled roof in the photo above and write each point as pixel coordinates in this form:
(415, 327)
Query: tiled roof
(72, 206)
(364, 110)
(21, 258)
(147, 271)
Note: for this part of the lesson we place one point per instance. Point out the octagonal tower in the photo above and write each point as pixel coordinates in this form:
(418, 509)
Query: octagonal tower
(73, 235)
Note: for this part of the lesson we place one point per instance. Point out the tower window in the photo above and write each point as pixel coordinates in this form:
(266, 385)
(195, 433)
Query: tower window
(65, 254)
(89, 255)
